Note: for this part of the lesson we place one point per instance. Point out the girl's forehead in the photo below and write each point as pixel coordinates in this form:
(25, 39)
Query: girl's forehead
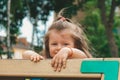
(61, 36)
(63, 33)
(67, 31)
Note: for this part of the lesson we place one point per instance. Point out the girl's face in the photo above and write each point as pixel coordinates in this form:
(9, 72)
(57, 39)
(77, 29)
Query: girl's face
(58, 40)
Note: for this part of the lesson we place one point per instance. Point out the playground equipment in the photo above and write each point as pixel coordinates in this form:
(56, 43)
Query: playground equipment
(76, 69)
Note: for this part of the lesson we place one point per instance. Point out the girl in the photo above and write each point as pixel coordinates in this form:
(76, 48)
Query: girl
(64, 40)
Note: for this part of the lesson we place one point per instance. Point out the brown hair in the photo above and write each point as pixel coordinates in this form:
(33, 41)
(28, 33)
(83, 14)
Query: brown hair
(77, 34)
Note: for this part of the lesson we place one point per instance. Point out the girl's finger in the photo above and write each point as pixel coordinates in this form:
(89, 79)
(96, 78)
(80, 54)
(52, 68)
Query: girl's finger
(35, 59)
(52, 62)
(59, 65)
(38, 58)
(64, 63)
(41, 57)
(32, 58)
(55, 65)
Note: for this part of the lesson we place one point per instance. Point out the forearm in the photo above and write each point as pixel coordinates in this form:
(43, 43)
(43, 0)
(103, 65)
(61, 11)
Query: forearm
(77, 53)
(27, 54)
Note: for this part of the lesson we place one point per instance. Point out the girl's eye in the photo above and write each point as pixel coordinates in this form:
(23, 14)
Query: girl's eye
(66, 44)
(54, 44)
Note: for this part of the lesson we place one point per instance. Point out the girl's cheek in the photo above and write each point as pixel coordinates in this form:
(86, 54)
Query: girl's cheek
(51, 53)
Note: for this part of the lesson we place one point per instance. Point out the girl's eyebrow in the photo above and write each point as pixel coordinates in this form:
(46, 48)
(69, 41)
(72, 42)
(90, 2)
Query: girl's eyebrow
(53, 41)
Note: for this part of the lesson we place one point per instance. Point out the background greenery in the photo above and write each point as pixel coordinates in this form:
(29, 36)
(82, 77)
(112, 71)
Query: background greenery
(101, 22)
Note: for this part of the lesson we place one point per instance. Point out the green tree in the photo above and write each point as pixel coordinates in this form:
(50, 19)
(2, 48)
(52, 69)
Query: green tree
(9, 22)
(37, 10)
(105, 11)
(96, 34)
(105, 23)
(34, 9)
(107, 18)
(99, 20)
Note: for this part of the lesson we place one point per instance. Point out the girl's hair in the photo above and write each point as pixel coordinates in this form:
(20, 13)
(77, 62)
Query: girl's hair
(76, 32)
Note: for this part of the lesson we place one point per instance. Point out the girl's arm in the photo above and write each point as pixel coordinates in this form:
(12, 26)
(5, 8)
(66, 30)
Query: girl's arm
(60, 59)
(76, 53)
(32, 55)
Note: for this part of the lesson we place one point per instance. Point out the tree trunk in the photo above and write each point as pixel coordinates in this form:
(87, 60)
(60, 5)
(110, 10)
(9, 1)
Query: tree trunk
(108, 23)
(33, 33)
(0, 56)
(111, 41)
(32, 42)
(8, 30)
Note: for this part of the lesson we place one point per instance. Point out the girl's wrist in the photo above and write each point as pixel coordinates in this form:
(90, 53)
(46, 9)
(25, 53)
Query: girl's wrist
(70, 52)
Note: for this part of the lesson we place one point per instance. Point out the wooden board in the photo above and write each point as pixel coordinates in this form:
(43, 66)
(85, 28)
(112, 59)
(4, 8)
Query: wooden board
(26, 68)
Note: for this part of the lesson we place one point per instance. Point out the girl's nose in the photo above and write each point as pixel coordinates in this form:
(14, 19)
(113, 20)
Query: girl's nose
(59, 46)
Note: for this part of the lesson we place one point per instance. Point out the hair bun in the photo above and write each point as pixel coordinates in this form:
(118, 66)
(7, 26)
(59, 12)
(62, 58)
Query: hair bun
(62, 18)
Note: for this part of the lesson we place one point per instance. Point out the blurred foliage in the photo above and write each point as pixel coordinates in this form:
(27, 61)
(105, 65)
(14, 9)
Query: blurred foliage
(34, 9)
(40, 10)
(96, 30)
(38, 48)
(96, 34)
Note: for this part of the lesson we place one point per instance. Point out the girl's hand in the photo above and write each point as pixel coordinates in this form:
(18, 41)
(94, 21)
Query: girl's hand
(60, 59)
(36, 57)
(32, 55)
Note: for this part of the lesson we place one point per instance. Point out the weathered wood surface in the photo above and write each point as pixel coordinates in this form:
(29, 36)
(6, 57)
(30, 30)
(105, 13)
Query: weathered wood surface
(26, 68)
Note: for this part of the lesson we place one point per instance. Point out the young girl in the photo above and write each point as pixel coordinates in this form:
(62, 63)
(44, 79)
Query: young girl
(64, 40)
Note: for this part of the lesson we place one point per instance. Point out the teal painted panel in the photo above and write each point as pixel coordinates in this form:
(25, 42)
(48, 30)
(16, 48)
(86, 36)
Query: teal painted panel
(108, 68)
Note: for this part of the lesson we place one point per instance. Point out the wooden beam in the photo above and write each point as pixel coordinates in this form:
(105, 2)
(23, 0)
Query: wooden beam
(26, 68)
